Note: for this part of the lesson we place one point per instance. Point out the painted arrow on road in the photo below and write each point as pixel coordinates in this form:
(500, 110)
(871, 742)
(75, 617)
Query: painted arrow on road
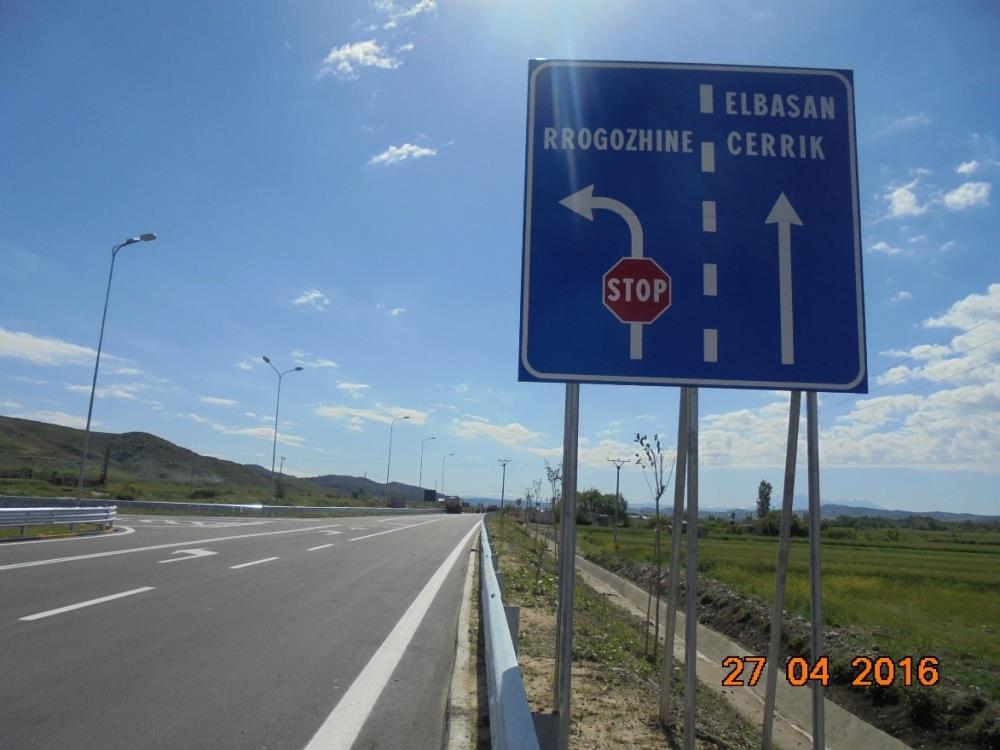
(189, 554)
(784, 216)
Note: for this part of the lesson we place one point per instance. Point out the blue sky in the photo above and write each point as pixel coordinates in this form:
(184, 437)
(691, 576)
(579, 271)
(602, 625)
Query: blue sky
(339, 185)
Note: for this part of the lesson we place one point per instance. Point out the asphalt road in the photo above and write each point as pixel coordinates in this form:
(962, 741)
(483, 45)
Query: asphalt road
(233, 633)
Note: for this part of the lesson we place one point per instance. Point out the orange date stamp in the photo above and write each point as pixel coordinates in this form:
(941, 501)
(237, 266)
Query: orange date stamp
(882, 671)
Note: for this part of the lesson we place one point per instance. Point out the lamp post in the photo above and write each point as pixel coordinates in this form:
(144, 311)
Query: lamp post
(420, 481)
(274, 448)
(388, 461)
(148, 237)
(618, 462)
(442, 470)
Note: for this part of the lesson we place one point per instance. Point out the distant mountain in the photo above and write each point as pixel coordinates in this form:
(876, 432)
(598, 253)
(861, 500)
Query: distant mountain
(348, 485)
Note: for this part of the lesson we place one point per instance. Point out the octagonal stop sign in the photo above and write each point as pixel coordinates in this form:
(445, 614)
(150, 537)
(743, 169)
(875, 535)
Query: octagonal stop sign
(637, 290)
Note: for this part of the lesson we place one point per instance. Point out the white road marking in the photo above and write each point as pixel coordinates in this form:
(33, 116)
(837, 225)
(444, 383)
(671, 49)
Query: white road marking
(379, 533)
(191, 554)
(150, 548)
(331, 533)
(255, 562)
(89, 603)
(322, 546)
(344, 723)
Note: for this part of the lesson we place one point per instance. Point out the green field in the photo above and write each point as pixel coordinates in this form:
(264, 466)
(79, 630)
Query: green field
(911, 592)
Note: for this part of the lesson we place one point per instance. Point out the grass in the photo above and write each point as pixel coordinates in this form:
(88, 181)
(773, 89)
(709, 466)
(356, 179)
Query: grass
(14, 532)
(914, 593)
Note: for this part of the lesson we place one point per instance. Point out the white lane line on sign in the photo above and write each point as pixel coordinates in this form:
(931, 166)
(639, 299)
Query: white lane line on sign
(152, 547)
(707, 156)
(711, 280)
(711, 345)
(344, 723)
(191, 555)
(399, 528)
(89, 603)
(248, 564)
(705, 93)
(322, 546)
(708, 216)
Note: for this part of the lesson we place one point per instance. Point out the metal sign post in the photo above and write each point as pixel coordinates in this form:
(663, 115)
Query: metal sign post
(675, 556)
(691, 612)
(816, 607)
(777, 610)
(567, 573)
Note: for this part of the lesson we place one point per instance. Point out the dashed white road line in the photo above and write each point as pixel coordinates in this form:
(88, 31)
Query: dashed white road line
(398, 528)
(322, 546)
(248, 564)
(111, 553)
(125, 531)
(344, 723)
(88, 603)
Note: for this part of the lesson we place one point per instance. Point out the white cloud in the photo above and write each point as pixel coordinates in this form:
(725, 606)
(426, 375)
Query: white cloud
(884, 247)
(949, 245)
(900, 297)
(192, 416)
(968, 195)
(357, 417)
(967, 167)
(346, 61)
(970, 311)
(127, 371)
(126, 391)
(903, 201)
(513, 435)
(397, 311)
(355, 389)
(262, 433)
(907, 122)
(397, 13)
(41, 350)
(10, 405)
(397, 154)
(314, 298)
(246, 364)
(215, 401)
(917, 238)
(58, 417)
(305, 360)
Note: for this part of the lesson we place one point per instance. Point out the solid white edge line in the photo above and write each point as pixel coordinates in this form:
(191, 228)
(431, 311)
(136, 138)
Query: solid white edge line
(322, 546)
(248, 564)
(88, 603)
(344, 723)
(390, 531)
(111, 535)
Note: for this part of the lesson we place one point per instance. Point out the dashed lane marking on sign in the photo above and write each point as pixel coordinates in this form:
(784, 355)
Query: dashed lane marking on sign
(707, 156)
(88, 603)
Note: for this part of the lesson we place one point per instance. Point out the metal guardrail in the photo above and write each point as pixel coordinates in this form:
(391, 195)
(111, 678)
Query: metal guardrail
(238, 508)
(34, 516)
(511, 724)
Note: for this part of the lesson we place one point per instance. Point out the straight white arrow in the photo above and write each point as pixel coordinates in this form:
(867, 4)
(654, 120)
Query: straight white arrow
(191, 554)
(784, 216)
(583, 202)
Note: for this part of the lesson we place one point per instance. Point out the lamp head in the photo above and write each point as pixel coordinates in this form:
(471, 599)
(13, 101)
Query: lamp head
(266, 359)
(147, 237)
(297, 369)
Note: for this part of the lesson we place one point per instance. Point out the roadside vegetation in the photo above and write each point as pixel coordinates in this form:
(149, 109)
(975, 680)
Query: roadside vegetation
(888, 590)
(615, 684)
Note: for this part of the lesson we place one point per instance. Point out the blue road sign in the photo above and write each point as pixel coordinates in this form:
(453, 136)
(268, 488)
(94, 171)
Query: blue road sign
(739, 182)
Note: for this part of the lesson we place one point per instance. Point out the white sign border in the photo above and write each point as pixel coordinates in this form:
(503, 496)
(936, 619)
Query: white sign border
(651, 380)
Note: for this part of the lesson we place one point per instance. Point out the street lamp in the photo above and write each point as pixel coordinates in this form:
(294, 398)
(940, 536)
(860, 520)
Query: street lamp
(274, 448)
(442, 470)
(420, 481)
(503, 481)
(388, 461)
(148, 237)
(618, 462)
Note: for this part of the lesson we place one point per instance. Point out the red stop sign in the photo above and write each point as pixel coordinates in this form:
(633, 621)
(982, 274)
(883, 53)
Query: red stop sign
(637, 290)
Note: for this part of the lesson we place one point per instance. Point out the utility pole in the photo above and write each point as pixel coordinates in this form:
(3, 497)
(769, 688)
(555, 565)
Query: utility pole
(618, 462)
(503, 481)
(281, 469)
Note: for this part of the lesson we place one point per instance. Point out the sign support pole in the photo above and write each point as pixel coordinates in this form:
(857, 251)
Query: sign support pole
(691, 613)
(567, 577)
(774, 649)
(816, 608)
(675, 557)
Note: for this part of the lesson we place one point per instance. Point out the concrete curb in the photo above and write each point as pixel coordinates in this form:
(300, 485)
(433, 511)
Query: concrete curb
(463, 703)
